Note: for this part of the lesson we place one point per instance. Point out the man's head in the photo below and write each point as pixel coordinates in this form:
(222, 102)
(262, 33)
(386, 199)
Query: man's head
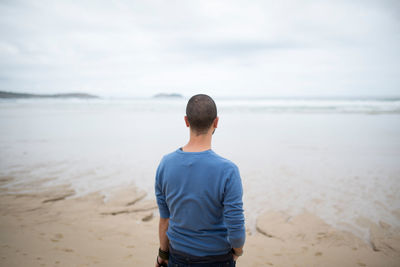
(201, 114)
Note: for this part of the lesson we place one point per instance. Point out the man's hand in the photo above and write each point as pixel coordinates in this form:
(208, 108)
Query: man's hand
(237, 252)
(161, 263)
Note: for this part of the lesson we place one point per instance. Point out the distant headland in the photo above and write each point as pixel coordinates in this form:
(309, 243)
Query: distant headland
(164, 95)
(4, 94)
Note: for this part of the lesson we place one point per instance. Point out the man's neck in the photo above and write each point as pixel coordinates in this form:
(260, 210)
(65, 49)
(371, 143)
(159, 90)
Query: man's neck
(198, 143)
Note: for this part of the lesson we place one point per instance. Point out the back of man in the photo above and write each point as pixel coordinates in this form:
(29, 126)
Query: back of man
(199, 195)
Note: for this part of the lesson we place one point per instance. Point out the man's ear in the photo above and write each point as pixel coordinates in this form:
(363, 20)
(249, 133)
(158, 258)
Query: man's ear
(215, 123)
(187, 121)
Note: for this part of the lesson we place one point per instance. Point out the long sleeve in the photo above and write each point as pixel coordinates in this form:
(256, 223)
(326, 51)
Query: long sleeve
(160, 195)
(233, 209)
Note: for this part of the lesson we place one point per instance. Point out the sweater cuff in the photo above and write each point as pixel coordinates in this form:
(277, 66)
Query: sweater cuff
(238, 240)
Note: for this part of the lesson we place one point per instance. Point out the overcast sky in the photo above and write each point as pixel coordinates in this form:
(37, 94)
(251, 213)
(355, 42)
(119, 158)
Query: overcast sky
(240, 48)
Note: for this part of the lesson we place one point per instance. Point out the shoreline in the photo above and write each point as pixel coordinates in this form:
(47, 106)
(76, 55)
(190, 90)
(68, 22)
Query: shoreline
(54, 227)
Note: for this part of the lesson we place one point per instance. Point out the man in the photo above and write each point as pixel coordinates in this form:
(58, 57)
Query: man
(199, 195)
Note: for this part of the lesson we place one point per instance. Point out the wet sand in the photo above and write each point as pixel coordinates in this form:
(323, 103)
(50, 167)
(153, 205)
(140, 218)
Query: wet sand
(54, 227)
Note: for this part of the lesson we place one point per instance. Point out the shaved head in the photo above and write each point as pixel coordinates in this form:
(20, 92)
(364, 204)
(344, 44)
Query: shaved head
(201, 112)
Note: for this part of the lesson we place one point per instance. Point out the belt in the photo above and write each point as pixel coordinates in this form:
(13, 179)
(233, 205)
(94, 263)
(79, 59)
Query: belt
(187, 258)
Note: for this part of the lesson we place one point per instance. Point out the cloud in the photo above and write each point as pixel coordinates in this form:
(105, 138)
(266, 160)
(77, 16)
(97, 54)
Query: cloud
(129, 48)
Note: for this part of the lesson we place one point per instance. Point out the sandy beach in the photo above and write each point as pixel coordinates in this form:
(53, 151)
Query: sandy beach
(54, 227)
(318, 191)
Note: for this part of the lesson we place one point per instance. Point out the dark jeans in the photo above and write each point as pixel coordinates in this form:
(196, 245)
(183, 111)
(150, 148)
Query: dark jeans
(176, 260)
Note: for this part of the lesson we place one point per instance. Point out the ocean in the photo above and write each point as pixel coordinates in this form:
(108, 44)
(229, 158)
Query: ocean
(338, 158)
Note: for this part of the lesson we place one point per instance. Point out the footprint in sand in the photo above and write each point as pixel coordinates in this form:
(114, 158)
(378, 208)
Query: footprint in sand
(64, 249)
(57, 237)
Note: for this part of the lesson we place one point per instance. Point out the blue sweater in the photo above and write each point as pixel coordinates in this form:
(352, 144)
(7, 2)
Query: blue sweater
(201, 194)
